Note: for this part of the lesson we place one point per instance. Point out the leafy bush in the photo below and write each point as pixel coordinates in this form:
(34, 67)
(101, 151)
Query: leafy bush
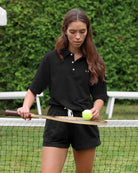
(34, 26)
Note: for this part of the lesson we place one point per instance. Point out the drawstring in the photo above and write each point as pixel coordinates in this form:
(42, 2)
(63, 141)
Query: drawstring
(70, 113)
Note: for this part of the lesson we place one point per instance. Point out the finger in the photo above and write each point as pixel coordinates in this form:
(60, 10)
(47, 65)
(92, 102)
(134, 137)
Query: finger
(26, 115)
(28, 119)
(23, 114)
(95, 116)
(19, 111)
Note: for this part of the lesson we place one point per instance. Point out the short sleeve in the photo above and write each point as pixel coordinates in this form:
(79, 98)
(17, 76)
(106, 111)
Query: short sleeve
(99, 90)
(42, 77)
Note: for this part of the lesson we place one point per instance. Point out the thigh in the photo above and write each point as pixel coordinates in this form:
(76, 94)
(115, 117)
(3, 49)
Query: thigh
(84, 160)
(53, 159)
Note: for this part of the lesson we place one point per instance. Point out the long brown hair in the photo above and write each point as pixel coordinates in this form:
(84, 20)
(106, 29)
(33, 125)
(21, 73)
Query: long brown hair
(95, 62)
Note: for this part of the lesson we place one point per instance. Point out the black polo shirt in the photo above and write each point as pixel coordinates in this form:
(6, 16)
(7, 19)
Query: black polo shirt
(68, 81)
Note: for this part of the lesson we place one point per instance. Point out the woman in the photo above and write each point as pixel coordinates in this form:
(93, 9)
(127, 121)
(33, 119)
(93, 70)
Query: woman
(73, 72)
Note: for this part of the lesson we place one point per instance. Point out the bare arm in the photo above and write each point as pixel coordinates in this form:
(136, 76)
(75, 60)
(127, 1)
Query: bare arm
(25, 109)
(98, 104)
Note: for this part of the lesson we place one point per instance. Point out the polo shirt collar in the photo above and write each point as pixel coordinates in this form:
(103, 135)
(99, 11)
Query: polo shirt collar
(66, 52)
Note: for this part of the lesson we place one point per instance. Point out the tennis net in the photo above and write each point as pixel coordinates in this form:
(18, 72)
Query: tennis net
(21, 147)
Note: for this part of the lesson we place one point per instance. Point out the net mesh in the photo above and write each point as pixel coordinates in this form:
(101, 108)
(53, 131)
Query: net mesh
(21, 147)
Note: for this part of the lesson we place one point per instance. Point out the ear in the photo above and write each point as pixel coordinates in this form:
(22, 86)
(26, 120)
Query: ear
(66, 32)
(65, 35)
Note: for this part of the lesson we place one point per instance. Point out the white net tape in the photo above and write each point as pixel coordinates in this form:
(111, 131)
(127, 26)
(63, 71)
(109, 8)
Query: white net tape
(41, 122)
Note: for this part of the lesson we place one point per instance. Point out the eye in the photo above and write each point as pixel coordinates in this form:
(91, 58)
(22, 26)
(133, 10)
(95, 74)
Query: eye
(72, 32)
(83, 31)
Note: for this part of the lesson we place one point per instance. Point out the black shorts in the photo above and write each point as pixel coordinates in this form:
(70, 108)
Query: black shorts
(62, 135)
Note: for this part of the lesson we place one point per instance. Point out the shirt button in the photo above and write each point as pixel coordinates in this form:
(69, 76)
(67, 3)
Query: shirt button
(73, 69)
(71, 54)
(72, 62)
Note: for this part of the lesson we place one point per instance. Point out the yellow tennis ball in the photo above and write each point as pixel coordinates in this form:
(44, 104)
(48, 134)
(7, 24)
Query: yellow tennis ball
(86, 114)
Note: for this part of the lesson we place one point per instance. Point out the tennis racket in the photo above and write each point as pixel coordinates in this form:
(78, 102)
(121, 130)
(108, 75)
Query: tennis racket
(66, 119)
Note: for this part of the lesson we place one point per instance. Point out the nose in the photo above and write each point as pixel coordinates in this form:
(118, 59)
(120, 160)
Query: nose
(77, 36)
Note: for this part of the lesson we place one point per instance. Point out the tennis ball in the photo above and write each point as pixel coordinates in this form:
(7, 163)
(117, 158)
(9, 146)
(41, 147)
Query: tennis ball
(86, 114)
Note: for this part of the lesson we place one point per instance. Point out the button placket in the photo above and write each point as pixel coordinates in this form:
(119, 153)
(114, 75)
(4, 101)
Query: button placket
(71, 54)
(73, 69)
(73, 66)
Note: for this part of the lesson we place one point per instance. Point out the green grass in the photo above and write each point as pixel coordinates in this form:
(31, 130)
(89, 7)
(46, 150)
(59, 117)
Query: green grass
(120, 112)
(21, 147)
(118, 151)
(21, 150)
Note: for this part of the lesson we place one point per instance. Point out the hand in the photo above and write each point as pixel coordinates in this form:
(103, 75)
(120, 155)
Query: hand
(24, 113)
(95, 113)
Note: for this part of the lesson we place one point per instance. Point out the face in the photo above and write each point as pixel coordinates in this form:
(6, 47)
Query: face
(76, 33)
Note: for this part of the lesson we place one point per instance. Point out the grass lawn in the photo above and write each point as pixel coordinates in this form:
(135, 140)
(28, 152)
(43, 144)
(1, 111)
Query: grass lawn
(120, 112)
(21, 147)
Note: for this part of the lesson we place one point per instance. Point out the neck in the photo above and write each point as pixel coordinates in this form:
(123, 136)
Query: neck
(76, 51)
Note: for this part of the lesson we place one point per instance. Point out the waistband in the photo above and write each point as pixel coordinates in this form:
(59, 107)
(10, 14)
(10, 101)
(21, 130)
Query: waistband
(66, 111)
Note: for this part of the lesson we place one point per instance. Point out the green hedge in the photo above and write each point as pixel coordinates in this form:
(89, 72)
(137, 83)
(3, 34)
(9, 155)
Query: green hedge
(34, 26)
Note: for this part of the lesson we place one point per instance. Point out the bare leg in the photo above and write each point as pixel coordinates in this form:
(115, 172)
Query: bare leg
(53, 159)
(84, 160)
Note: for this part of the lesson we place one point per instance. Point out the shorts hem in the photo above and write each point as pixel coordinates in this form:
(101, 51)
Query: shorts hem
(55, 145)
(86, 147)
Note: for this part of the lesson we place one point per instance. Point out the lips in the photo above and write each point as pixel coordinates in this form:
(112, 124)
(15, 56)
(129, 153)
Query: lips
(76, 42)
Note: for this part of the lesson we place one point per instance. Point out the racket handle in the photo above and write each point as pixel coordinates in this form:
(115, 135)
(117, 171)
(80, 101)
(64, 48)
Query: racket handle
(13, 113)
(10, 112)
